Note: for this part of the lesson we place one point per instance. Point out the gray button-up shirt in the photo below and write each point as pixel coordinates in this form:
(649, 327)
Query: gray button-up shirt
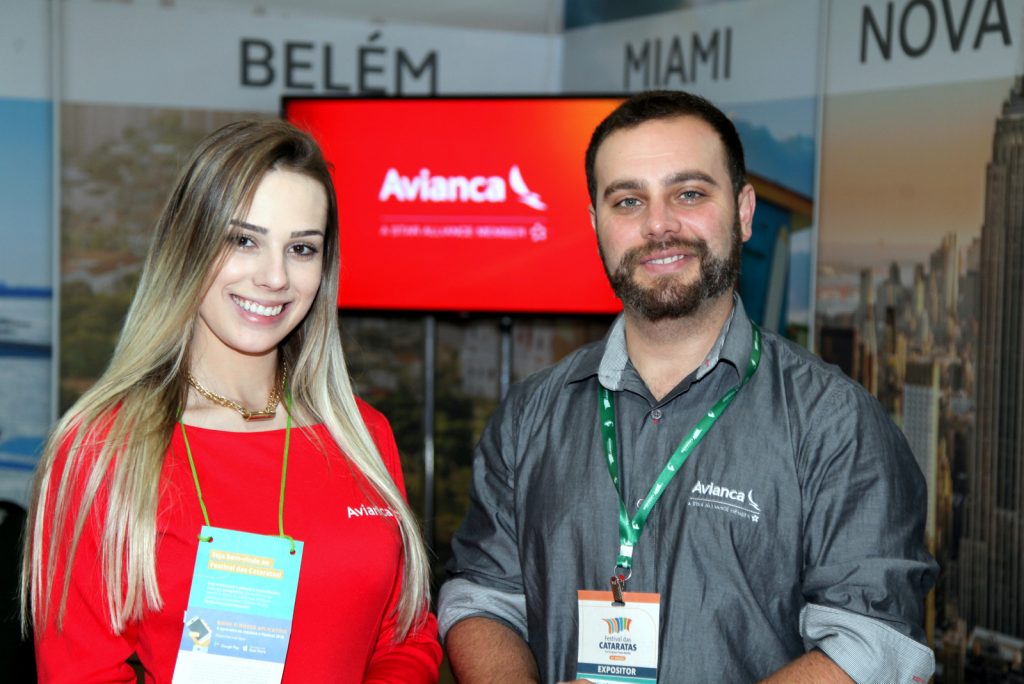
(796, 523)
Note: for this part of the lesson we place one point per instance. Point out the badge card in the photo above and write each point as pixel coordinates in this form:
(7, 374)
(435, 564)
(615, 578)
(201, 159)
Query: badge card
(618, 643)
(239, 617)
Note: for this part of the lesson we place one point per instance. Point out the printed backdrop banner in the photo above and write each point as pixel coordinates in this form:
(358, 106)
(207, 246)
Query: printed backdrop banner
(729, 52)
(876, 45)
(216, 58)
(26, 243)
(24, 49)
(918, 285)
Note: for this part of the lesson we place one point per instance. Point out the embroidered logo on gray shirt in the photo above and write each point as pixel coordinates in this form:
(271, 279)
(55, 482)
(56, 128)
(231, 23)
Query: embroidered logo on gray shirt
(722, 498)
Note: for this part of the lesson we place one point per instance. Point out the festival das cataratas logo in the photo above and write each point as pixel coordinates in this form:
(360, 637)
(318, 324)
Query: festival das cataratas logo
(617, 639)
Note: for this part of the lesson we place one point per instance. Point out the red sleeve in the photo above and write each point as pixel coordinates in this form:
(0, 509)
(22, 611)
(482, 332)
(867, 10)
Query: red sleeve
(415, 659)
(85, 649)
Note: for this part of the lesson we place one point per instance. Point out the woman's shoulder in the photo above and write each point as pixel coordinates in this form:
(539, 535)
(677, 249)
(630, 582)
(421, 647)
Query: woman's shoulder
(380, 431)
(374, 419)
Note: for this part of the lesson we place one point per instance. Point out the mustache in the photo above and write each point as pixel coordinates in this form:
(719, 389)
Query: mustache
(631, 258)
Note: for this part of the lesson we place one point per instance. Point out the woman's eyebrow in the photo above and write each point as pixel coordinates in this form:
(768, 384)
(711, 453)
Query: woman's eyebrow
(264, 231)
(248, 226)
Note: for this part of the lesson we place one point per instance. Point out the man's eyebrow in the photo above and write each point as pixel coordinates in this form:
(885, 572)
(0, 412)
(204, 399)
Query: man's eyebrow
(668, 181)
(685, 176)
(263, 231)
(619, 186)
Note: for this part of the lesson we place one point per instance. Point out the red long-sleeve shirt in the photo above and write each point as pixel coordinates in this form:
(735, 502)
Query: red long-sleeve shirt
(349, 583)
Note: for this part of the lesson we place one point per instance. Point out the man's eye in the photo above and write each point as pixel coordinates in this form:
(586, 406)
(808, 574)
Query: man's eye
(628, 203)
(691, 195)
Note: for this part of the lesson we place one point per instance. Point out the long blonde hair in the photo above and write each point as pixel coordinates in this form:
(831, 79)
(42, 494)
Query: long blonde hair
(116, 435)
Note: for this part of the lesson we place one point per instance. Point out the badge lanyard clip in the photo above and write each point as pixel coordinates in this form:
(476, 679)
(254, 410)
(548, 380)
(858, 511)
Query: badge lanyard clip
(620, 573)
(618, 583)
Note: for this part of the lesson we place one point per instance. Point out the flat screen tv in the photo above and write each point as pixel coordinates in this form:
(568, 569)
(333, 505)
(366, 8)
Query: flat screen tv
(462, 204)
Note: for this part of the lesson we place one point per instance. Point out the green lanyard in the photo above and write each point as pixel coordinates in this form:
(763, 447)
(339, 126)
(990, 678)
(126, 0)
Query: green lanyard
(284, 472)
(630, 530)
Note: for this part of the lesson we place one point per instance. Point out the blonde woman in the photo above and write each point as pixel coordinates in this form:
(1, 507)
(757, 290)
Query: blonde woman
(227, 414)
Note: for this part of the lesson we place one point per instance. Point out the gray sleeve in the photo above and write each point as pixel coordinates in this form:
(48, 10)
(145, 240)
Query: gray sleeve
(869, 651)
(866, 570)
(460, 599)
(484, 571)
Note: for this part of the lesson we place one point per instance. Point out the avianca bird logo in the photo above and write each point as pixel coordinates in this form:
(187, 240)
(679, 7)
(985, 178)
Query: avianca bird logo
(526, 196)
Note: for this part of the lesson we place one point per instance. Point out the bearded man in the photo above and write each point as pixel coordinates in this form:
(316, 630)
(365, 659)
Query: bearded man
(691, 499)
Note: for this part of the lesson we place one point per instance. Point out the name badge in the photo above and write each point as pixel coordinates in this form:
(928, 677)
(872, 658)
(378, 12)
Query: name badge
(240, 609)
(618, 643)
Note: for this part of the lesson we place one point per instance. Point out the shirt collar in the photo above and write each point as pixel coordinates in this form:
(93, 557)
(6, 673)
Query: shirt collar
(611, 360)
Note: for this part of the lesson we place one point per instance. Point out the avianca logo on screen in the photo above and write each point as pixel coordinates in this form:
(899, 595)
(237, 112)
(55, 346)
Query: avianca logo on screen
(426, 187)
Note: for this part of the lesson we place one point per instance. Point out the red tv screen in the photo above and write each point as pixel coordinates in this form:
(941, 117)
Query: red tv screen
(462, 204)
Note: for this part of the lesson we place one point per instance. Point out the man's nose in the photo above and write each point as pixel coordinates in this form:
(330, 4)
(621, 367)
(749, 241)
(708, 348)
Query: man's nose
(661, 221)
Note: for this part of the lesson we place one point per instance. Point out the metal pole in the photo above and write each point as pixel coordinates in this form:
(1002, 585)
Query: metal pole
(429, 373)
(56, 96)
(824, 28)
(505, 359)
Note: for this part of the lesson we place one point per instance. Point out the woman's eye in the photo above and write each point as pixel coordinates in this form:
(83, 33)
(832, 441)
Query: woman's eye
(305, 250)
(242, 240)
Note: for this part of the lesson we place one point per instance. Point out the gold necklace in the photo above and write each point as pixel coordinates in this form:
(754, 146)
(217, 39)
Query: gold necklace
(268, 412)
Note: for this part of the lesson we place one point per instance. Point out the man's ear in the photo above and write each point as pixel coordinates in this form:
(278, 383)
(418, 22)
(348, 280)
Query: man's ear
(593, 217)
(745, 203)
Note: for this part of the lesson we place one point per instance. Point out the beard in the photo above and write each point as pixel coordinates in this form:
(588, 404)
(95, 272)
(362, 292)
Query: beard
(667, 297)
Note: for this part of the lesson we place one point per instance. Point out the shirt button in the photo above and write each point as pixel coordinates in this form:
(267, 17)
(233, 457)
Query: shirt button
(639, 503)
(656, 415)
